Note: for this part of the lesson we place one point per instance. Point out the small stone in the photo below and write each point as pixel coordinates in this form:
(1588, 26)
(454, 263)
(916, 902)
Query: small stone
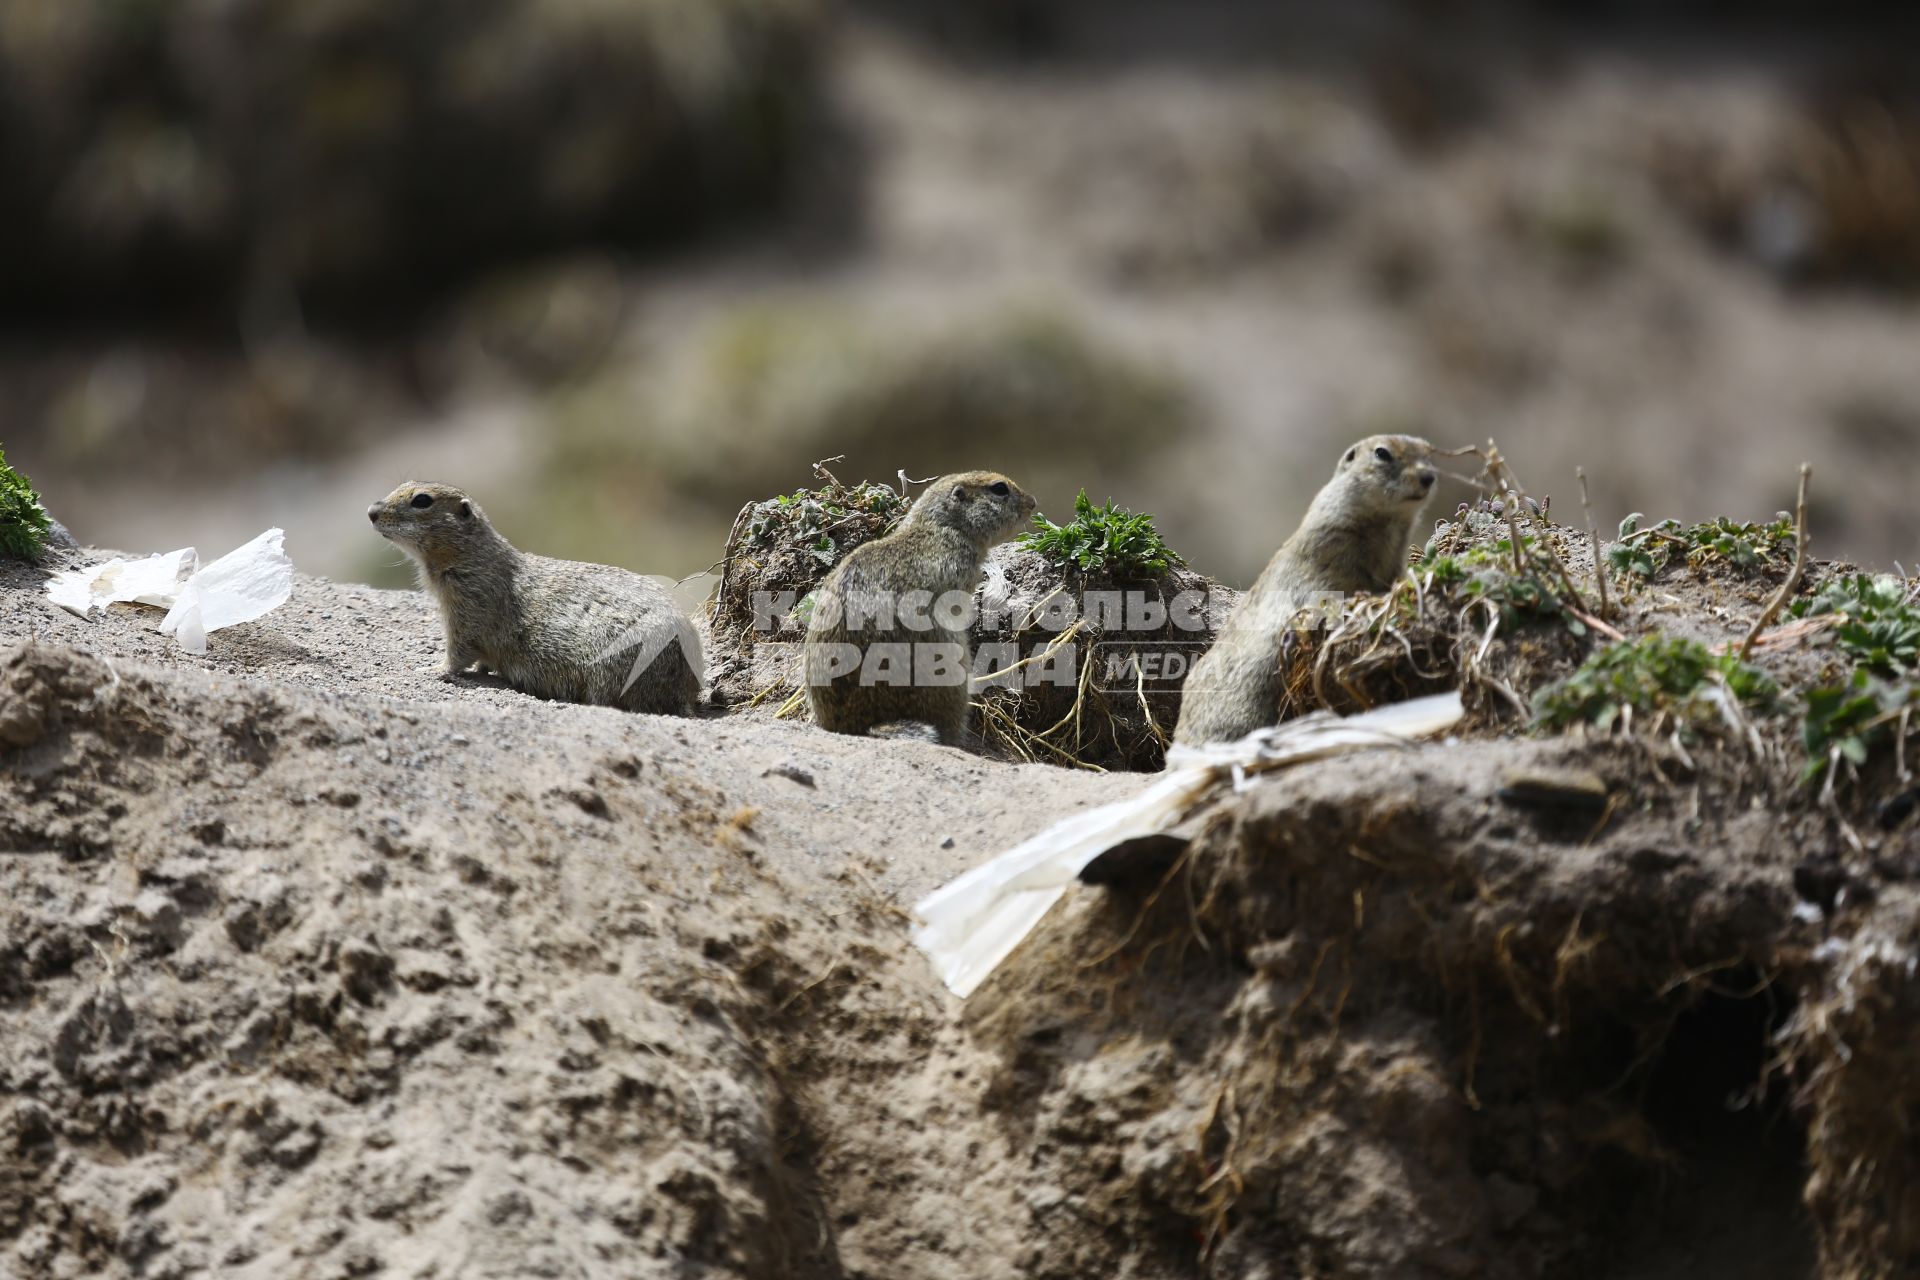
(791, 771)
(946, 842)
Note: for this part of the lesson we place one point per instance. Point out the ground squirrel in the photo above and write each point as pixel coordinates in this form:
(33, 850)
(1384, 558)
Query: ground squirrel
(887, 639)
(552, 628)
(1354, 538)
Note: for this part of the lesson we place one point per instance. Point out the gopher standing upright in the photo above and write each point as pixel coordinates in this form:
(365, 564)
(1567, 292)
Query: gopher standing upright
(884, 644)
(553, 628)
(1354, 538)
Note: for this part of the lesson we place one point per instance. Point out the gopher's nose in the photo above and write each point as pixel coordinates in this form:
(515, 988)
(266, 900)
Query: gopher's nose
(1426, 481)
(373, 512)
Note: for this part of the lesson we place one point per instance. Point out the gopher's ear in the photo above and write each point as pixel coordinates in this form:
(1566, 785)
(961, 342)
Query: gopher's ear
(960, 493)
(466, 509)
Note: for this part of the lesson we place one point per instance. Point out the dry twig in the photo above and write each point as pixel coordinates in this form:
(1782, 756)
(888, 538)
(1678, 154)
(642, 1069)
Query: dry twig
(1792, 583)
(1599, 564)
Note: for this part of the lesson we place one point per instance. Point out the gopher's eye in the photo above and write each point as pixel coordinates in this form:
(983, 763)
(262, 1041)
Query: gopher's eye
(1383, 453)
(423, 500)
(1000, 489)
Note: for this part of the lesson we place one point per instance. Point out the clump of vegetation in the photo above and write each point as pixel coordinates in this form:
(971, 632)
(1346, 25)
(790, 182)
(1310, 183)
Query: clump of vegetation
(810, 519)
(1846, 721)
(1641, 553)
(24, 523)
(1653, 674)
(1879, 627)
(777, 552)
(1485, 572)
(1436, 627)
(1105, 537)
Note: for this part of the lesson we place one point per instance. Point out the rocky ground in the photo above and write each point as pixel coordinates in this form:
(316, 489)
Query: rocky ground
(315, 964)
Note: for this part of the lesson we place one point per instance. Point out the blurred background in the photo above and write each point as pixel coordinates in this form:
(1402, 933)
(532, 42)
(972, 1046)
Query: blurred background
(619, 266)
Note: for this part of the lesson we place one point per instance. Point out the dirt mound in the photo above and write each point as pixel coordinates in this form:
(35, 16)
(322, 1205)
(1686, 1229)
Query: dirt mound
(1091, 662)
(1403, 1021)
(263, 1014)
(1103, 657)
(778, 551)
(313, 961)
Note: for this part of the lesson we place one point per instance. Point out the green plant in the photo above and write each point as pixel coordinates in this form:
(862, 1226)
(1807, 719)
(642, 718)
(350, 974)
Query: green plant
(1845, 721)
(1485, 570)
(24, 523)
(1744, 546)
(1880, 626)
(809, 519)
(1641, 553)
(1651, 674)
(1444, 570)
(1102, 538)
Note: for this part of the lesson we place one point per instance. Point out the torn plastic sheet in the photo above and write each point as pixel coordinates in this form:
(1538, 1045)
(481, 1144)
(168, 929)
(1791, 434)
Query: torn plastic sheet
(155, 580)
(240, 586)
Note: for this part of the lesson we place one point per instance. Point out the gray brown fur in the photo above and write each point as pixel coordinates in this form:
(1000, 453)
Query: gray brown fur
(940, 547)
(556, 629)
(1354, 538)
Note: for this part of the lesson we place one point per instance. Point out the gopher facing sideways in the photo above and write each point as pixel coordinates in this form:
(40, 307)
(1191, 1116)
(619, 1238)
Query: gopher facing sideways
(553, 628)
(1354, 538)
(939, 549)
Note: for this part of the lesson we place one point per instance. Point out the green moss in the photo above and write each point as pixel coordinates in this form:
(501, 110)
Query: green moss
(1651, 674)
(24, 523)
(1105, 537)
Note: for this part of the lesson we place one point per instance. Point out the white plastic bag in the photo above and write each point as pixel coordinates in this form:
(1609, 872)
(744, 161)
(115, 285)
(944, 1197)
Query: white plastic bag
(238, 587)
